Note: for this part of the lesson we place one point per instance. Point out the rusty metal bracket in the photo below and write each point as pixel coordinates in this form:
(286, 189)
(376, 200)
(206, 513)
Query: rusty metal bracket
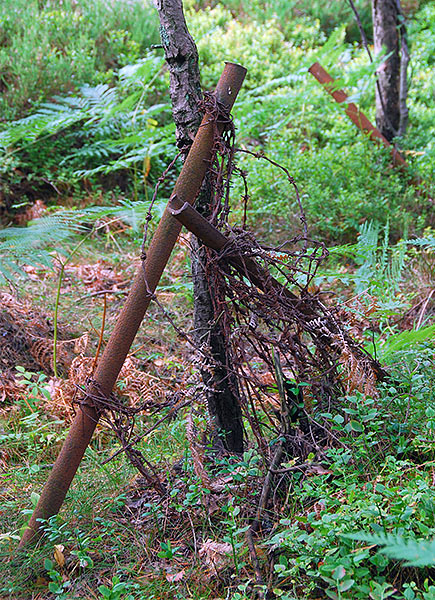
(147, 277)
(355, 115)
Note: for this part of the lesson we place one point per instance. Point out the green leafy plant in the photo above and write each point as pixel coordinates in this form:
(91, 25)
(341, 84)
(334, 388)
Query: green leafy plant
(234, 533)
(414, 552)
(45, 240)
(167, 550)
(41, 52)
(35, 384)
(405, 340)
(119, 590)
(57, 586)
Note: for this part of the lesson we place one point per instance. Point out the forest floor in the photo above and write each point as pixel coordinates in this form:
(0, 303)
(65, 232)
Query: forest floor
(116, 538)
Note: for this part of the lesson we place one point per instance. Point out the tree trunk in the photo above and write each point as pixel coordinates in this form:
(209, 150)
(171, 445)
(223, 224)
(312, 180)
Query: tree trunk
(182, 58)
(387, 29)
(222, 391)
(404, 61)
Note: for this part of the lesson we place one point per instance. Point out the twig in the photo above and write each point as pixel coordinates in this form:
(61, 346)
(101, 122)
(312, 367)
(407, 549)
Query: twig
(63, 265)
(261, 155)
(256, 522)
(138, 438)
(361, 29)
(404, 62)
(256, 564)
(100, 293)
(423, 310)
(289, 469)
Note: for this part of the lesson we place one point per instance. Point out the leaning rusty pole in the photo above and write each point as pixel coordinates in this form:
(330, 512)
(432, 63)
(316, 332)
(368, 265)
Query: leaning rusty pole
(147, 277)
(357, 117)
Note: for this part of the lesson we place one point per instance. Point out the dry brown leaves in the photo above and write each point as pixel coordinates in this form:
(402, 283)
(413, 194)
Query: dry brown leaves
(98, 277)
(357, 374)
(26, 335)
(35, 211)
(198, 453)
(216, 556)
(140, 387)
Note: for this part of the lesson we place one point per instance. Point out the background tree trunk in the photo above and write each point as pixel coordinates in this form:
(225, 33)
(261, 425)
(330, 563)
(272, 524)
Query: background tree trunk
(222, 391)
(388, 27)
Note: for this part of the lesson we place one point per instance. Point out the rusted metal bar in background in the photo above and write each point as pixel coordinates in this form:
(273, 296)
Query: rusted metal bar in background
(186, 189)
(355, 115)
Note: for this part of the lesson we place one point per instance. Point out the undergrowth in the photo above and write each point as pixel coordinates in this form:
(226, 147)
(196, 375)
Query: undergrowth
(52, 47)
(86, 124)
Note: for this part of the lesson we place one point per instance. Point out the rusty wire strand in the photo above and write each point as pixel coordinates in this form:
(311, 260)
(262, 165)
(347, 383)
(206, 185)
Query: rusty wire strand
(149, 215)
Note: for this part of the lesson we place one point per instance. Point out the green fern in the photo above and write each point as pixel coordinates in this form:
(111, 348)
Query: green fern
(104, 129)
(402, 341)
(428, 243)
(415, 553)
(38, 242)
(33, 245)
(381, 266)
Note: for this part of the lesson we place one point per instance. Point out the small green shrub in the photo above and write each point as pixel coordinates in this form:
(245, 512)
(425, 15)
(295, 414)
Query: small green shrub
(49, 48)
(290, 14)
(313, 544)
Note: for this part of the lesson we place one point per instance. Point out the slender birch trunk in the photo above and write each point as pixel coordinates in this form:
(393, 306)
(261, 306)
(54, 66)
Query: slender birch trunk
(222, 391)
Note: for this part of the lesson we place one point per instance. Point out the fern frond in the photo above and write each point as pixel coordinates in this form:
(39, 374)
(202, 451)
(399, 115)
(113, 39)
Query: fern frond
(148, 149)
(415, 553)
(105, 128)
(32, 245)
(35, 244)
(424, 242)
(405, 340)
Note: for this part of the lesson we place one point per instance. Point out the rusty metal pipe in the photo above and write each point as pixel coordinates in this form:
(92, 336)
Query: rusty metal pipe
(186, 189)
(355, 115)
(248, 267)
(214, 239)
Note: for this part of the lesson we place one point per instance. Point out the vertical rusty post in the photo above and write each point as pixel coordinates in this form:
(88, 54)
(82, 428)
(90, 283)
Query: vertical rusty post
(186, 189)
(355, 115)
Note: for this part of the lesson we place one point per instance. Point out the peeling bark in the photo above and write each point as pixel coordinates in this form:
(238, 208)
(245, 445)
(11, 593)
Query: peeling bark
(404, 61)
(182, 57)
(222, 390)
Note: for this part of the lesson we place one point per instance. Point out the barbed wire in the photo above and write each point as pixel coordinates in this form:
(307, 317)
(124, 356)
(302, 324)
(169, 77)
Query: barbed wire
(292, 356)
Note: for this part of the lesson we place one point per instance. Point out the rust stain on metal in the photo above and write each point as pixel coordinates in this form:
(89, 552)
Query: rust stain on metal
(186, 189)
(355, 115)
